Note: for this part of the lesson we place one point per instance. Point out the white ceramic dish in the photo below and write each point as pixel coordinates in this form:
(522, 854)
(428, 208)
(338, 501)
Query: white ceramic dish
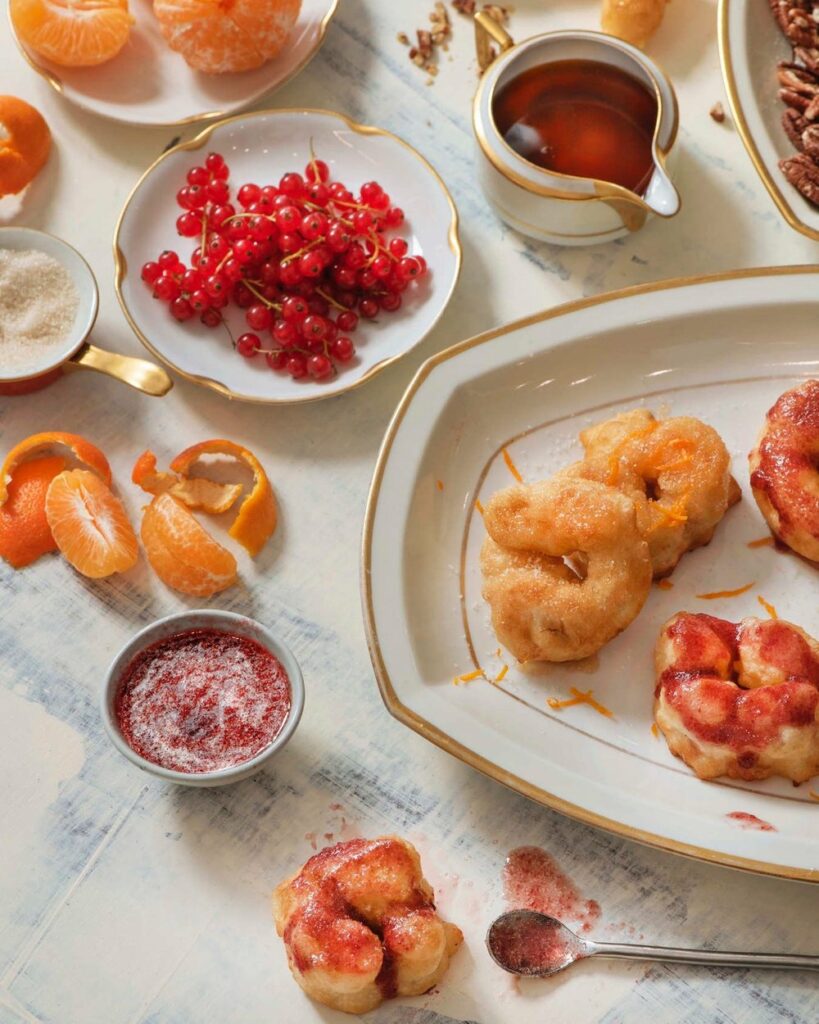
(147, 83)
(225, 622)
(702, 347)
(751, 45)
(261, 147)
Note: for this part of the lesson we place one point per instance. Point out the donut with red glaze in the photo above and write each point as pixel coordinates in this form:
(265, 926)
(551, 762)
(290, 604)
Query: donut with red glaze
(739, 698)
(359, 925)
(785, 469)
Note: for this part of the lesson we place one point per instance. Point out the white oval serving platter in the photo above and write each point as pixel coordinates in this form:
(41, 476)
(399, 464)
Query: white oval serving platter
(720, 348)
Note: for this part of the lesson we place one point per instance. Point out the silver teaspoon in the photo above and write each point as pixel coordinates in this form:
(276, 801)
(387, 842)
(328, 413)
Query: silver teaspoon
(528, 943)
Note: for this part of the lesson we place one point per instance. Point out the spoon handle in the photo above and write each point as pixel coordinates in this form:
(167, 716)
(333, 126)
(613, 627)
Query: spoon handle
(706, 957)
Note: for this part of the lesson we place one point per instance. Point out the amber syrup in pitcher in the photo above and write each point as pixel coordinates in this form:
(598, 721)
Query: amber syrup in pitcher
(581, 117)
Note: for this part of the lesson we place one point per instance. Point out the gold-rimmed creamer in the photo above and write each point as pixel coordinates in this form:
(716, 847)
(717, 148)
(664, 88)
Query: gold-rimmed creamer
(561, 208)
(76, 353)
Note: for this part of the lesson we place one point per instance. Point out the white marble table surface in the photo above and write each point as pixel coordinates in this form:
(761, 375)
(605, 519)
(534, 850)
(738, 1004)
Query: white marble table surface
(125, 901)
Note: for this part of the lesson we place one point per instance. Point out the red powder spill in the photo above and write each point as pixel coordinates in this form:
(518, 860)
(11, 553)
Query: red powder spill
(750, 821)
(202, 700)
(310, 837)
(336, 807)
(534, 946)
(532, 880)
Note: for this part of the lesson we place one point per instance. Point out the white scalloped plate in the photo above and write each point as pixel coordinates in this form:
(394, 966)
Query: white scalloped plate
(260, 147)
(751, 45)
(148, 84)
(718, 348)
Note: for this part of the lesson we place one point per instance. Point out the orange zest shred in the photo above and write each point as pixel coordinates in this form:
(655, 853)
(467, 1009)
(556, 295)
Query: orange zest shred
(813, 796)
(499, 678)
(579, 697)
(468, 677)
(510, 465)
(479, 506)
(665, 584)
(42, 444)
(714, 595)
(769, 608)
(761, 542)
(674, 515)
(655, 732)
(258, 513)
(614, 469)
(439, 484)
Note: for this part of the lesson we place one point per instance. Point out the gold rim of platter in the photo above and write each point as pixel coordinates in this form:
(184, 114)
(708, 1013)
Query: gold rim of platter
(775, 192)
(605, 191)
(121, 264)
(56, 83)
(440, 738)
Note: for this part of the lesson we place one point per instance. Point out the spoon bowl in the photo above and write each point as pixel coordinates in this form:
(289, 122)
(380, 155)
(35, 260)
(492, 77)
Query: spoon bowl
(534, 945)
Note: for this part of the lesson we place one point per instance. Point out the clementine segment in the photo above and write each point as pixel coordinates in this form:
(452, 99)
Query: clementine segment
(217, 36)
(73, 33)
(24, 530)
(182, 553)
(38, 444)
(89, 524)
(258, 513)
(25, 142)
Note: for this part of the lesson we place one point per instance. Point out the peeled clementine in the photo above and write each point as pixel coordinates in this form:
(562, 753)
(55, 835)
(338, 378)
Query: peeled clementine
(89, 524)
(196, 492)
(25, 142)
(182, 553)
(73, 33)
(216, 36)
(24, 530)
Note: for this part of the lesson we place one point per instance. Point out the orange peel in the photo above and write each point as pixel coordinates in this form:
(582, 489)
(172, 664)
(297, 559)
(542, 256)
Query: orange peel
(40, 444)
(196, 492)
(181, 552)
(256, 519)
(25, 142)
(24, 531)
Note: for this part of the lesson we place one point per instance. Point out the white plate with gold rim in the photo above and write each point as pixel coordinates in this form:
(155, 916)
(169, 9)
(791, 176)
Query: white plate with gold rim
(147, 83)
(751, 45)
(261, 147)
(718, 348)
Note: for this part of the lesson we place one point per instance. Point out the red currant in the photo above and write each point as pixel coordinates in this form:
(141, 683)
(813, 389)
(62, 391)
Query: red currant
(167, 288)
(294, 309)
(390, 302)
(219, 213)
(343, 349)
(181, 309)
(409, 267)
(368, 308)
(191, 280)
(211, 318)
(276, 360)
(314, 327)
(214, 162)
(369, 191)
(398, 247)
(311, 264)
(150, 272)
(382, 266)
(317, 170)
(313, 226)
(248, 194)
(347, 321)
(394, 217)
(167, 259)
(362, 221)
(319, 367)
(296, 366)
(285, 333)
(292, 185)
(200, 300)
(259, 317)
(248, 344)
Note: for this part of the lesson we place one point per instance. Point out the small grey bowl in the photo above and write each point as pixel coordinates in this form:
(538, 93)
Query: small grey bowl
(226, 622)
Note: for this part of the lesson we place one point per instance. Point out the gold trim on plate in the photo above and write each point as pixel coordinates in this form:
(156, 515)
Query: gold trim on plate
(57, 85)
(437, 736)
(121, 263)
(734, 101)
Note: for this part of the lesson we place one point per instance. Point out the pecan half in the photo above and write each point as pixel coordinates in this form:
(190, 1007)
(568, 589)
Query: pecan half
(808, 56)
(794, 124)
(791, 76)
(803, 174)
(810, 142)
(797, 21)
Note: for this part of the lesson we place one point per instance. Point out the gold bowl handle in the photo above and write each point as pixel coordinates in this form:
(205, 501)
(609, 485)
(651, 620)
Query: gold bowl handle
(136, 373)
(487, 32)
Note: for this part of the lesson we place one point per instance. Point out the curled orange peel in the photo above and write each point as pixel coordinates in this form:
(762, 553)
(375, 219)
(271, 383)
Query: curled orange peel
(24, 531)
(196, 492)
(44, 443)
(257, 515)
(25, 142)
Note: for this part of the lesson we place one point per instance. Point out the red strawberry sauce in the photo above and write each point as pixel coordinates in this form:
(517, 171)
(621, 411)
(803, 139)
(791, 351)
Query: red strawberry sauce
(202, 700)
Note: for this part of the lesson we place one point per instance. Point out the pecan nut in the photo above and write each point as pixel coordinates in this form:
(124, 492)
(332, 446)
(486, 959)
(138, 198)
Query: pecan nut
(810, 142)
(803, 174)
(794, 125)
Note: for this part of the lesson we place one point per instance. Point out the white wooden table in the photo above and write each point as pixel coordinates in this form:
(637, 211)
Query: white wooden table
(125, 901)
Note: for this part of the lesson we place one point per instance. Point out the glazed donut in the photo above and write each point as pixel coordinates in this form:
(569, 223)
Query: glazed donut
(739, 699)
(359, 925)
(545, 608)
(677, 472)
(785, 469)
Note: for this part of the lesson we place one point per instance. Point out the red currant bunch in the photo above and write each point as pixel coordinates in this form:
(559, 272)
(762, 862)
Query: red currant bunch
(304, 259)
